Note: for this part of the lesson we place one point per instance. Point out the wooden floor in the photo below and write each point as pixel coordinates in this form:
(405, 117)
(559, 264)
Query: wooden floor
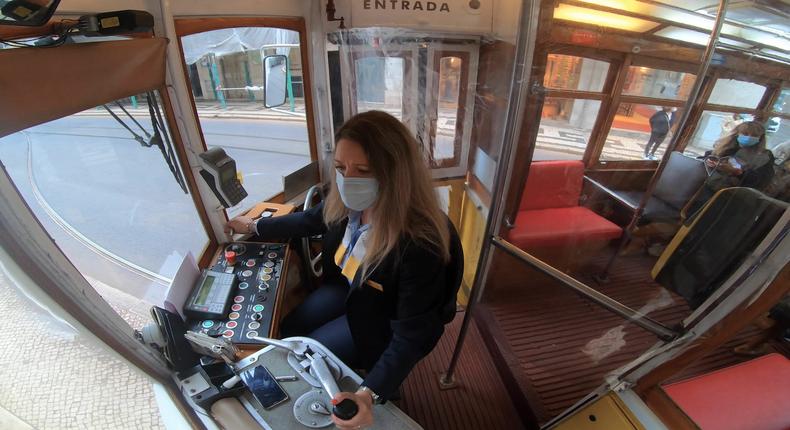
(560, 347)
(479, 402)
(548, 349)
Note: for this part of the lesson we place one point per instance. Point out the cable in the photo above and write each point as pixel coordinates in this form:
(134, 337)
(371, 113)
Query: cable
(63, 29)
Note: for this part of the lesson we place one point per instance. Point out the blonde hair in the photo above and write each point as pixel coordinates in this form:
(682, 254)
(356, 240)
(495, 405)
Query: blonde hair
(729, 143)
(407, 205)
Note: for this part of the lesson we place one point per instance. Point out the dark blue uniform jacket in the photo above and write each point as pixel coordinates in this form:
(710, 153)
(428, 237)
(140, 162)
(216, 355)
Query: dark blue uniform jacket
(392, 329)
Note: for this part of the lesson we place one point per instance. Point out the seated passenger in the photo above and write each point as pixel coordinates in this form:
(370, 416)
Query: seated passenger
(737, 160)
(386, 258)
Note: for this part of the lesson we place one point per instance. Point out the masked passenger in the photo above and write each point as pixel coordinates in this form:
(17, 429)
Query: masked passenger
(737, 160)
(386, 258)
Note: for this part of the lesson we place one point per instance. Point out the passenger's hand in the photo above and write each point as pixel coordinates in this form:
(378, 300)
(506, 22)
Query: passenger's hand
(730, 169)
(363, 418)
(240, 224)
(710, 163)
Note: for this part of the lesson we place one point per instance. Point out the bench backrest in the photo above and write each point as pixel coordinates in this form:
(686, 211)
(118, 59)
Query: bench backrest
(680, 180)
(553, 184)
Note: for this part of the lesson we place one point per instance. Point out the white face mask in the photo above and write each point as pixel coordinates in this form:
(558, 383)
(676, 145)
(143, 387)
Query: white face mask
(357, 193)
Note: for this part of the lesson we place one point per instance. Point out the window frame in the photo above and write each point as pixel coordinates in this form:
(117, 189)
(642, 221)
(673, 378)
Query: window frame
(764, 107)
(469, 54)
(617, 98)
(186, 26)
(604, 96)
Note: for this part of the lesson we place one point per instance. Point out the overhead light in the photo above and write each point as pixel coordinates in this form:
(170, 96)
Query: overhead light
(603, 19)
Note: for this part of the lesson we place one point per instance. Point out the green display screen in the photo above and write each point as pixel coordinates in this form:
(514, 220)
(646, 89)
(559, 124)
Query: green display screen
(204, 290)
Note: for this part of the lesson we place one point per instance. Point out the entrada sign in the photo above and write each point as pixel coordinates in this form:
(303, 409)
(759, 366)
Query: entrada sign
(405, 5)
(474, 16)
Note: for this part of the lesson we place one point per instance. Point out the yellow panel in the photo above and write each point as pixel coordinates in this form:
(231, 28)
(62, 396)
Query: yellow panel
(604, 19)
(604, 414)
(472, 230)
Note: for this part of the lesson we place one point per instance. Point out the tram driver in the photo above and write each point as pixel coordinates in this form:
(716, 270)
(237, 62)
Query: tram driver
(387, 262)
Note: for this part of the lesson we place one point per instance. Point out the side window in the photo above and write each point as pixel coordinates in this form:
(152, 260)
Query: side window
(427, 84)
(731, 102)
(566, 123)
(230, 71)
(640, 130)
(449, 107)
(730, 92)
(777, 127)
(106, 186)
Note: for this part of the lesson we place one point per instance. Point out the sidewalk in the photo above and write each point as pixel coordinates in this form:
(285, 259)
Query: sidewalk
(58, 379)
(232, 110)
(620, 144)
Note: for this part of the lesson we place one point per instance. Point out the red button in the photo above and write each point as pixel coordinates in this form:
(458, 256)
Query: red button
(235, 308)
(238, 299)
(230, 257)
(231, 324)
(228, 333)
(250, 263)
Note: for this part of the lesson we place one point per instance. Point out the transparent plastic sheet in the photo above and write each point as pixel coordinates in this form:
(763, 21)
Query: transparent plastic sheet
(427, 81)
(232, 40)
(566, 333)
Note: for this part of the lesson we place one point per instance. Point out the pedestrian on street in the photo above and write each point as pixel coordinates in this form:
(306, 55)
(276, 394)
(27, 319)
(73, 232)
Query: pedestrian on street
(660, 124)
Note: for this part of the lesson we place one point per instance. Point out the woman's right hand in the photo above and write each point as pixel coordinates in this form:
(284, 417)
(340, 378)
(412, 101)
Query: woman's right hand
(240, 224)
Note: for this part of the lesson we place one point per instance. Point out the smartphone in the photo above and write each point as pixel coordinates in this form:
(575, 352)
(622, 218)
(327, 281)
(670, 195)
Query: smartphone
(263, 386)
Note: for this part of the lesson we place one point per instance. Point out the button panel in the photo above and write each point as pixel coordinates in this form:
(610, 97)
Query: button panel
(258, 268)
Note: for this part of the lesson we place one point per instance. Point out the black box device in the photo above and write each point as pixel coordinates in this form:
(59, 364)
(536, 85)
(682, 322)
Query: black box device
(211, 298)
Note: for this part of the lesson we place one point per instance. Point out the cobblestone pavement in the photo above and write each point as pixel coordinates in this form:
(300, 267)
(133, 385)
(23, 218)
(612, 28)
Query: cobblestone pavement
(54, 379)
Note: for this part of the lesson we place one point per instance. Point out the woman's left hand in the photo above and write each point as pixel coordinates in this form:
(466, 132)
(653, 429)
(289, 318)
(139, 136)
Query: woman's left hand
(363, 418)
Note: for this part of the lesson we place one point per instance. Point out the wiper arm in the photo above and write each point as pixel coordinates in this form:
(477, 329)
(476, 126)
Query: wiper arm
(140, 139)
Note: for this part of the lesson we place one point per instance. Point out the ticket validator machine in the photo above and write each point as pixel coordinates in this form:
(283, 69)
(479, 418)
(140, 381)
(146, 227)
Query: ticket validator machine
(219, 172)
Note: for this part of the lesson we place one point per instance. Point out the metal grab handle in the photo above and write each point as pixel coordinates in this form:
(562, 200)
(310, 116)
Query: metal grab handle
(314, 262)
(346, 409)
(298, 348)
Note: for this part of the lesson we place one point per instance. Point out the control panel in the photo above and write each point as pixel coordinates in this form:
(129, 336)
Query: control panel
(211, 296)
(257, 269)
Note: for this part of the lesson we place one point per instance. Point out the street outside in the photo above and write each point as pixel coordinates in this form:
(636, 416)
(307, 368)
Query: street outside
(114, 207)
(559, 141)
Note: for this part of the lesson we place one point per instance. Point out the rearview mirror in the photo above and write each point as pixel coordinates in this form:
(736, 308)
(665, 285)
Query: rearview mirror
(27, 12)
(275, 74)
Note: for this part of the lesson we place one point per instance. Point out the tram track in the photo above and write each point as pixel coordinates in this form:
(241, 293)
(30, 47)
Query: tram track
(79, 237)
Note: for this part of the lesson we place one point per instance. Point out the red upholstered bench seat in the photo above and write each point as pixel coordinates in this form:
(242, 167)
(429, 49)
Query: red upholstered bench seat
(550, 220)
(754, 395)
(561, 227)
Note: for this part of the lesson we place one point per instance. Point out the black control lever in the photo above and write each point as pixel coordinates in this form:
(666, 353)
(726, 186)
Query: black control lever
(346, 409)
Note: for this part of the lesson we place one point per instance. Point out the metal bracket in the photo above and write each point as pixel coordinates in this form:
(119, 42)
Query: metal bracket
(447, 384)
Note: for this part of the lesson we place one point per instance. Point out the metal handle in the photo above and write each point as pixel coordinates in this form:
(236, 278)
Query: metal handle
(298, 348)
(313, 262)
(346, 409)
